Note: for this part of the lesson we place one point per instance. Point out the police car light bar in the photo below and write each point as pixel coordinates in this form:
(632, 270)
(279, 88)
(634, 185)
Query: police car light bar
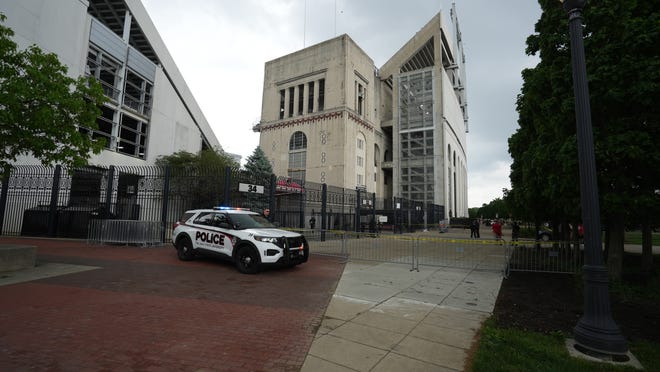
(223, 208)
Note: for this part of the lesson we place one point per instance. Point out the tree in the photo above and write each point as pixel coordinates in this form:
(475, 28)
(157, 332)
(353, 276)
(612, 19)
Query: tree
(623, 68)
(198, 178)
(43, 111)
(259, 165)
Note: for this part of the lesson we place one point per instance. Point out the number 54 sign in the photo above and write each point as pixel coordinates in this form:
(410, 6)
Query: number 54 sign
(246, 187)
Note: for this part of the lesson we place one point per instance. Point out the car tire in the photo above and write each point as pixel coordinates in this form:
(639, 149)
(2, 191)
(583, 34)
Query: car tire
(184, 249)
(247, 260)
(545, 237)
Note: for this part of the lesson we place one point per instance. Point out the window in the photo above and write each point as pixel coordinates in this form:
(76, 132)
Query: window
(321, 94)
(124, 133)
(137, 94)
(360, 98)
(310, 97)
(297, 156)
(282, 101)
(291, 91)
(301, 98)
(105, 70)
(105, 124)
(361, 155)
(132, 136)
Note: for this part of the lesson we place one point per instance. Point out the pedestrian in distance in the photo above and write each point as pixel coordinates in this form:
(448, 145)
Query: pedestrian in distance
(497, 230)
(515, 231)
(474, 229)
(312, 222)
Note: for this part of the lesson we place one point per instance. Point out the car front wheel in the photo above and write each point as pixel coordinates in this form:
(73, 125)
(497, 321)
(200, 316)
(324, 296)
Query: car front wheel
(184, 249)
(247, 260)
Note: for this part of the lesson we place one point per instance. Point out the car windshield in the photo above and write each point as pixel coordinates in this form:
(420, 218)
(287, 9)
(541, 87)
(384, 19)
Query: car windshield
(250, 221)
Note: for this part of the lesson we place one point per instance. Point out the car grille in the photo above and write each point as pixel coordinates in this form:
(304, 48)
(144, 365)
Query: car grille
(295, 243)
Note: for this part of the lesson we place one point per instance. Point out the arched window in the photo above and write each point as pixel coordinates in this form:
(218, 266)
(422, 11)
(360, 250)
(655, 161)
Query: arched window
(297, 156)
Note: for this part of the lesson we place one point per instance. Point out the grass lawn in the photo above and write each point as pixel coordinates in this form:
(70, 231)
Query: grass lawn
(535, 313)
(635, 237)
(505, 349)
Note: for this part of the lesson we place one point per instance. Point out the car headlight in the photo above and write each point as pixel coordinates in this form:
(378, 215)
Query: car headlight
(266, 239)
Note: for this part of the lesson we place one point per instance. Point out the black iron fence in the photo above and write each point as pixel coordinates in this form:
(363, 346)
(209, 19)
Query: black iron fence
(78, 203)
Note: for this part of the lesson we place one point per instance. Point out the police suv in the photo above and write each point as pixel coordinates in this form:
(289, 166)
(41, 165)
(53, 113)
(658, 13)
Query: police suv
(245, 237)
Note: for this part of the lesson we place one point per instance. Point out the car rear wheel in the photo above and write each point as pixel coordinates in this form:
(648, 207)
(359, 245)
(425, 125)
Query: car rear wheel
(184, 249)
(545, 237)
(247, 260)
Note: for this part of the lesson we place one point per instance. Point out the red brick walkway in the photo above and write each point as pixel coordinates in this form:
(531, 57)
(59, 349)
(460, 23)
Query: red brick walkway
(146, 310)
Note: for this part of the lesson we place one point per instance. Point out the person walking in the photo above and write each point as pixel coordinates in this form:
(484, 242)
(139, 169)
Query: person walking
(497, 230)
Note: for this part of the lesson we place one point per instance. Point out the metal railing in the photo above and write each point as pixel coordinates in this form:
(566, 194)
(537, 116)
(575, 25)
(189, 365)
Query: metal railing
(125, 232)
(413, 250)
(550, 257)
(418, 250)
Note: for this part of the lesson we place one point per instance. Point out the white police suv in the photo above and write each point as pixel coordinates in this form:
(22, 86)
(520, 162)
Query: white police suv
(246, 238)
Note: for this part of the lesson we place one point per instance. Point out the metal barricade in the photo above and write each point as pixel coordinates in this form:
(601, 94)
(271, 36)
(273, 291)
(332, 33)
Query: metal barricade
(125, 232)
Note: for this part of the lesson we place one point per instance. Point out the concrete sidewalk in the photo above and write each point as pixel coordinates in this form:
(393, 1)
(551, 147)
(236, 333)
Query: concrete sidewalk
(384, 317)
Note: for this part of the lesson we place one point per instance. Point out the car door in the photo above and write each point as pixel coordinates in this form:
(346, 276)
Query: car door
(208, 232)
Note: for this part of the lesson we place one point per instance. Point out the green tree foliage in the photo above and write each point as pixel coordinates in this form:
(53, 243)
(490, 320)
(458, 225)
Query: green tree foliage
(258, 165)
(497, 208)
(42, 110)
(623, 68)
(198, 178)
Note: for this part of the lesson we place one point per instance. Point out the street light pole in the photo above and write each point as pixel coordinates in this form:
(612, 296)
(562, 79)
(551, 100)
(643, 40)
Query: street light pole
(596, 330)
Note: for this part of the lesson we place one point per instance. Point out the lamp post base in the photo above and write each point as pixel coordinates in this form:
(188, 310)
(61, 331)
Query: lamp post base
(596, 330)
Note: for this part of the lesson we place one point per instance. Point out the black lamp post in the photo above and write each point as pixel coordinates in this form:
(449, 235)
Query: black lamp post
(596, 330)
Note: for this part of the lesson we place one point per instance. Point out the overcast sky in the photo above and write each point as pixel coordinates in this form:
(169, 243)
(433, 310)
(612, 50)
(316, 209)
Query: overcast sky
(221, 46)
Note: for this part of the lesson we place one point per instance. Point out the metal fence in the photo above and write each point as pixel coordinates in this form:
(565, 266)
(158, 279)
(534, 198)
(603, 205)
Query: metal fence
(62, 202)
(414, 250)
(550, 257)
(423, 249)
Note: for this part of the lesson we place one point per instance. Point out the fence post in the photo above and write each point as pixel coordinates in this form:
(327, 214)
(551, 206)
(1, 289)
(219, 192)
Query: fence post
(357, 211)
(166, 197)
(3, 197)
(54, 193)
(301, 208)
(227, 191)
(108, 192)
(373, 214)
(324, 204)
(271, 195)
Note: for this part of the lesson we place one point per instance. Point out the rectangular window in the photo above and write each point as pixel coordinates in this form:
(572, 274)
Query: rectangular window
(301, 98)
(310, 99)
(282, 102)
(360, 98)
(291, 91)
(360, 180)
(360, 144)
(105, 70)
(137, 94)
(105, 124)
(360, 161)
(132, 136)
(321, 94)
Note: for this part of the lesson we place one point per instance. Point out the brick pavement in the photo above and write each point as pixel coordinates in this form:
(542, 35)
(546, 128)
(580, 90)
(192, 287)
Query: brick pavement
(146, 310)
